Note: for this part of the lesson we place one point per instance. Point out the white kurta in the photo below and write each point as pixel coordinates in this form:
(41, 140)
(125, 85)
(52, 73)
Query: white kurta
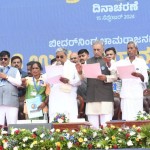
(63, 97)
(132, 90)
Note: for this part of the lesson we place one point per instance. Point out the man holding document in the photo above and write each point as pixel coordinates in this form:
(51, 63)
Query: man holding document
(100, 99)
(133, 73)
(63, 89)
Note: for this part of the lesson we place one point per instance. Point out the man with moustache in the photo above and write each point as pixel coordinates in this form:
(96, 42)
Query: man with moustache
(83, 55)
(62, 98)
(10, 79)
(16, 62)
(132, 88)
(74, 57)
(100, 99)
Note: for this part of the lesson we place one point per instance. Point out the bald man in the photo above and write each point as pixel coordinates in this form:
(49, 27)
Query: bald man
(74, 57)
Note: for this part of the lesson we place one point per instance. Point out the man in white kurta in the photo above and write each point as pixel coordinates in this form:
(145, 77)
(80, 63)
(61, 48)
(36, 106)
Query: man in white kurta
(132, 88)
(63, 95)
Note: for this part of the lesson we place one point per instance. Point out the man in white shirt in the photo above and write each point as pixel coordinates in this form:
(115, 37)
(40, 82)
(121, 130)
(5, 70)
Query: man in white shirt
(63, 95)
(132, 88)
(9, 80)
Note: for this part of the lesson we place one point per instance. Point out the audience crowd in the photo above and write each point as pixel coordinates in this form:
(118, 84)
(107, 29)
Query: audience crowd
(98, 96)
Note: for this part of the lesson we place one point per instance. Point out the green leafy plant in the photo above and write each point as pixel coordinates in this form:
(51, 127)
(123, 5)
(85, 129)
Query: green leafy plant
(142, 115)
(110, 137)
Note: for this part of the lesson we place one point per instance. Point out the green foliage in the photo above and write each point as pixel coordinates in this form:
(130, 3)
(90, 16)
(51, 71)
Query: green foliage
(110, 137)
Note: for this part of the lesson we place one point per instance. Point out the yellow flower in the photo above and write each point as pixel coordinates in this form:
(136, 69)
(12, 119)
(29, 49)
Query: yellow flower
(23, 129)
(134, 126)
(57, 130)
(80, 140)
(112, 126)
(57, 144)
(3, 141)
(113, 137)
(84, 130)
(35, 142)
(137, 139)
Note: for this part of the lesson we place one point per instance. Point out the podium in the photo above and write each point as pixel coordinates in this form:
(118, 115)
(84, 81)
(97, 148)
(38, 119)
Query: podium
(71, 126)
(121, 123)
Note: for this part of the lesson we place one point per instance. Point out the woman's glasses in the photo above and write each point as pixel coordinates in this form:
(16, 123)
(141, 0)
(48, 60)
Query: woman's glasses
(5, 59)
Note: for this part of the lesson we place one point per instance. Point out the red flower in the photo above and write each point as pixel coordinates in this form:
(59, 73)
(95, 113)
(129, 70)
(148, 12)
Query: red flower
(17, 131)
(33, 136)
(115, 146)
(138, 130)
(58, 148)
(61, 138)
(127, 135)
(77, 143)
(1, 148)
(90, 146)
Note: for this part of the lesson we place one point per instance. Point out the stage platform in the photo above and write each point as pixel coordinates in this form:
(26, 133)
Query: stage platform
(121, 123)
(71, 126)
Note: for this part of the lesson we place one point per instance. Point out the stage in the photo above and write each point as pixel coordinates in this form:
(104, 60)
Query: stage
(121, 123)
(71, 126)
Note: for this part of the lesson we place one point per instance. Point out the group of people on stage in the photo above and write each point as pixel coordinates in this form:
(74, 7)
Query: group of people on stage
(97, 93)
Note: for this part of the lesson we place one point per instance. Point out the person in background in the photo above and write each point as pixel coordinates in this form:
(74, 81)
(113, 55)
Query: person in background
(74, 58)
(9, 80)
(100, 99)
(53, 61)
(29, 68)
(35, 86)
(82, 89)
(110, 54)
(132, 88)
(83, 55)
(16, 62)
(63, 95)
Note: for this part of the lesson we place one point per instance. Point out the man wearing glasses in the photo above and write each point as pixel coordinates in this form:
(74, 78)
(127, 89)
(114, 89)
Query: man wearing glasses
(9, 80)
(63, 95)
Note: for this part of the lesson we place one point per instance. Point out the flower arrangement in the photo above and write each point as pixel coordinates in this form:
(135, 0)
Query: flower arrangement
(60, 118)
(142, 115)
(110, 137)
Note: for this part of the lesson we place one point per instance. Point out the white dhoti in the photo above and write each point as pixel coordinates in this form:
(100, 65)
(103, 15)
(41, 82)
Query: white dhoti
(130, 108)
(63, 102)
(99, 112)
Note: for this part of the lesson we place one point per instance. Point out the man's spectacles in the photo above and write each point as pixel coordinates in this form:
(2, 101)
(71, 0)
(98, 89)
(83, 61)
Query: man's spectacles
(5, 59)
(60, 57)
